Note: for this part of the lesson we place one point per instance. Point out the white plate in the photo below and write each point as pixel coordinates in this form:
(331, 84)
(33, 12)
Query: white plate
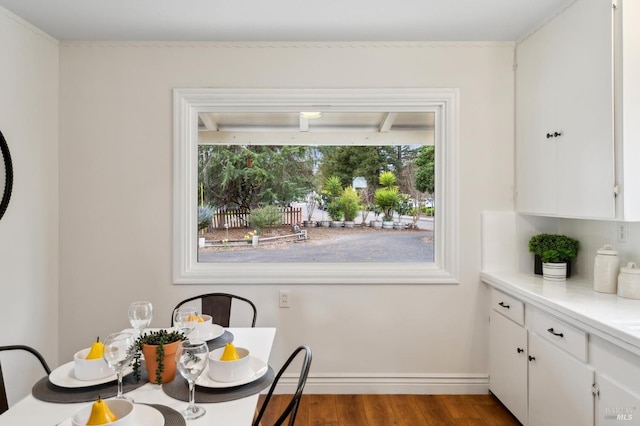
(64, 376)
(258, 369)
(143, 415)
(207, 333)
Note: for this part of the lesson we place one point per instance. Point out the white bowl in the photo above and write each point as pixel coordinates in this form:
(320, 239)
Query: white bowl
(229, 371)
(90, 369)
(204, 325)
(122, 408)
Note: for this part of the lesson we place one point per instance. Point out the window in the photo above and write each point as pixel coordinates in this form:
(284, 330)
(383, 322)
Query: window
(192, 105)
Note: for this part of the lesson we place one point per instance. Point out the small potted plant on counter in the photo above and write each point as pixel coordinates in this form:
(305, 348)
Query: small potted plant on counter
(159, 348)
(553, 248)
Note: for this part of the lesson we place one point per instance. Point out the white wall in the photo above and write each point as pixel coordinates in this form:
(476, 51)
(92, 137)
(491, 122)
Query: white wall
(115, 203)
(29, 229)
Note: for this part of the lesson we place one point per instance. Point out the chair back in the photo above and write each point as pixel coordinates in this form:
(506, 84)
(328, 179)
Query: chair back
(218, 305)
(291, 410)
(4, 403)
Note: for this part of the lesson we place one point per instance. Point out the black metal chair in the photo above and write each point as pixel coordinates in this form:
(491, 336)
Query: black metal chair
(4, 404)
(218, 305)
(291, 410)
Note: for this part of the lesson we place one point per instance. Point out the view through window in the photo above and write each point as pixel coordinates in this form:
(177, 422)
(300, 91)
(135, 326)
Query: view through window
(316, 187)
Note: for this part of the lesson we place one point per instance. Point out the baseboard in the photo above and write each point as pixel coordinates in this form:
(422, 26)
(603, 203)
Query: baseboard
(421, 384)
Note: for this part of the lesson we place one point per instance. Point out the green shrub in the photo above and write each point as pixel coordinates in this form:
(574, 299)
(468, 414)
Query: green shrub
(349, 203)
(334, 210)
(554, 246)
(205, 215)
(265, 217)
(387, 199)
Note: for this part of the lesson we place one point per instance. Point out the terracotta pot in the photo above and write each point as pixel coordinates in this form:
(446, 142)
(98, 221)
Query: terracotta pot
(169, 373)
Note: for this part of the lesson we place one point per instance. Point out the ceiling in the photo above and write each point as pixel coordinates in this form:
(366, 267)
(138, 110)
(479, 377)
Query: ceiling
(285, 20)
(362, 128)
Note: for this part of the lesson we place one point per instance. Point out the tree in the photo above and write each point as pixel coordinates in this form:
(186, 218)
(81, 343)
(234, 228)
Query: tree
(250, 176)
(347, 162)
(425, 175)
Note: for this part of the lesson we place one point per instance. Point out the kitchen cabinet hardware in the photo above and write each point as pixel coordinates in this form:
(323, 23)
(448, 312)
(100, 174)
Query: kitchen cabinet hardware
(504, 305)
(520, 350)
(554, 333)
(531, 358)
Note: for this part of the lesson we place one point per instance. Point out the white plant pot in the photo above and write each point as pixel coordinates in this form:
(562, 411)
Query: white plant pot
(255, 240)
(554, 271)
(200, 242)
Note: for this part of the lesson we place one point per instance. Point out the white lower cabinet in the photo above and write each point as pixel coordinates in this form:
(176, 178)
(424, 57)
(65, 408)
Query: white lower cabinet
(615, 405)
(508, 364)
(560, 386)
(538, 365)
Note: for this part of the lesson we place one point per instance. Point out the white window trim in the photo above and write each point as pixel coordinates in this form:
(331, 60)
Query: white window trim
(189, 102)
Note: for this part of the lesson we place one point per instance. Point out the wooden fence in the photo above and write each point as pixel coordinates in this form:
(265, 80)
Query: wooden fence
(239, 218)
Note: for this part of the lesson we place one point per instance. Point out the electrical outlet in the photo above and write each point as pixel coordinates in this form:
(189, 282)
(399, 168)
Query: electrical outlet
(285, 301)
(622, 232)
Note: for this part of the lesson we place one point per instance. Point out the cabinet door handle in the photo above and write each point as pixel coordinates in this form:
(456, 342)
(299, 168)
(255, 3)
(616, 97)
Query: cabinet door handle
(556, 134)
(554, 333)
(504, 305)
(520, 350)
(532, 358)
(549, 135)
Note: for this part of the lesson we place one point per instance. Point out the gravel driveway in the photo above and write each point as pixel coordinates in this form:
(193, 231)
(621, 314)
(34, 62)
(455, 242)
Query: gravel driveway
(374, 246)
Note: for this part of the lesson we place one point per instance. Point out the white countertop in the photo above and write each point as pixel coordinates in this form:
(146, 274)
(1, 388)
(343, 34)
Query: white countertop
(608, 316)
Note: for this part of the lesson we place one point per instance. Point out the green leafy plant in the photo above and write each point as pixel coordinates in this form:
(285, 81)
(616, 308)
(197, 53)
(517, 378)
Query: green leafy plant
(158, 338)
(334, 210)
(350, 203)
(561, 255)
(388, 197)
(566, 247)
(265, 217)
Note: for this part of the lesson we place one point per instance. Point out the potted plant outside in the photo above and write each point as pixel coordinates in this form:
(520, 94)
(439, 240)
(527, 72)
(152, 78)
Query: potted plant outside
(350, 205)
(387, 198)
(557, 246)
(159, 348)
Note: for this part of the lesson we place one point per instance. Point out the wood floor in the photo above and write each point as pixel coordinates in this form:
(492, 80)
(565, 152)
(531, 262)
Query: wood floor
(402, 410)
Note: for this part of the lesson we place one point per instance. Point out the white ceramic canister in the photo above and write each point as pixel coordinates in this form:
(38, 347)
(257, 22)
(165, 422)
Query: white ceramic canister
(629, 281)
(605, 270)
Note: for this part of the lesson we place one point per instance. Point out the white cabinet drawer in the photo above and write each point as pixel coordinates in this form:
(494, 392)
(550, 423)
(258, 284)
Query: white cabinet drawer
(558, 332)
(507, 306)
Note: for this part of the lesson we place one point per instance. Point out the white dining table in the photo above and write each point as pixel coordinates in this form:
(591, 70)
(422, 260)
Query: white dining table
(31, 411)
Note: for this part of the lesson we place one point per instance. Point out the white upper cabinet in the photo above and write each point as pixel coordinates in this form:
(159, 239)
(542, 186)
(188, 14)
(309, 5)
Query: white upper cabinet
(565, 163)
(627, 89)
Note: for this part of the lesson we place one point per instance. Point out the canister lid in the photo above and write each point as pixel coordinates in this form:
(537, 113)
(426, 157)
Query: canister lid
(631, 268)
(608, 250)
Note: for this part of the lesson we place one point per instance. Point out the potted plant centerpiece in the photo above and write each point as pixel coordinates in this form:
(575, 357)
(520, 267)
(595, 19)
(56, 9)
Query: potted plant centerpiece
(159, 348)
(553, 249)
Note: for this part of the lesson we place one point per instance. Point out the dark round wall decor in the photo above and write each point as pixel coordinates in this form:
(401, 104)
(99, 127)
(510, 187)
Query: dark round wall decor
(6, 176)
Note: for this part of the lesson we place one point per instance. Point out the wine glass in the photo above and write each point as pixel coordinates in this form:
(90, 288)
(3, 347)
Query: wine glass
(185, 319)
(118, 352)
(191, 359)
(140, 314)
